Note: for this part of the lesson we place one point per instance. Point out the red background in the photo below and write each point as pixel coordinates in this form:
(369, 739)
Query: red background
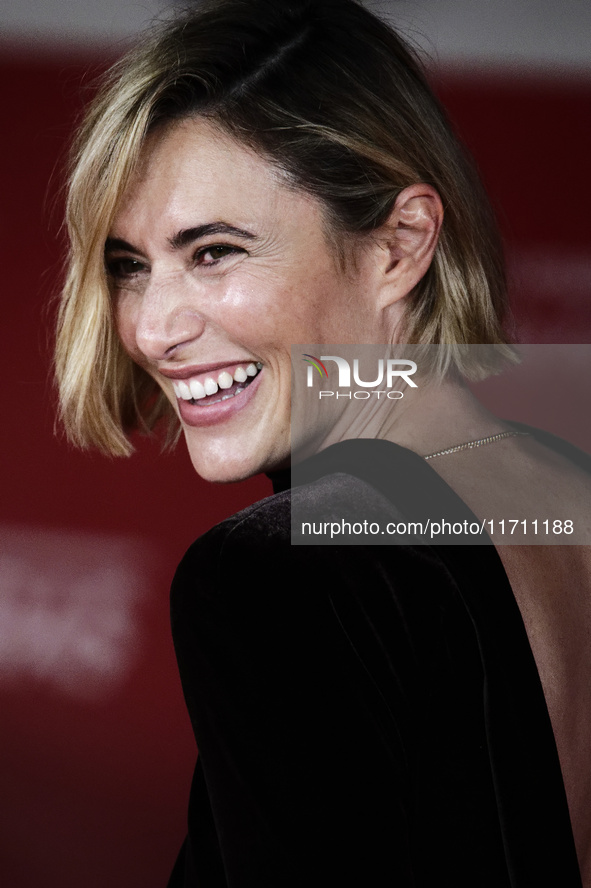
(93, 790)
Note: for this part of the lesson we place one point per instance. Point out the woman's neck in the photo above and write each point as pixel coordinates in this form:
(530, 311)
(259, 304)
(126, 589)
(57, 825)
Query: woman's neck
(427, 419)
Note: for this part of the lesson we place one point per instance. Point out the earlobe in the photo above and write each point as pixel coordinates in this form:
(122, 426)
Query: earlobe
(408, 240)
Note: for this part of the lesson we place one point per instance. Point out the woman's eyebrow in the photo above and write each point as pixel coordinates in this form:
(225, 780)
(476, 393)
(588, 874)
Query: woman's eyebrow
(184, 237)
(188, 235)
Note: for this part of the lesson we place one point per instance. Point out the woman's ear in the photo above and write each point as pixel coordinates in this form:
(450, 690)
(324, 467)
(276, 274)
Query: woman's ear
(407, 241)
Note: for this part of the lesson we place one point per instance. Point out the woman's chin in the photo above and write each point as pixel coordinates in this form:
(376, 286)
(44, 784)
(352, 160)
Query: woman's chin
(221, 471)
(227, 468)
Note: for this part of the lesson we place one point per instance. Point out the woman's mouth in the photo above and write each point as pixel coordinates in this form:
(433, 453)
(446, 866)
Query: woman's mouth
(207, 389)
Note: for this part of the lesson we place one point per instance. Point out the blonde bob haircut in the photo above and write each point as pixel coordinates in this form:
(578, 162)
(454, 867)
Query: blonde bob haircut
(332, 96)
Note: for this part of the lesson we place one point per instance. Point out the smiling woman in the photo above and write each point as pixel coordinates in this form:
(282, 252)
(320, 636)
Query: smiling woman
(256, 175)
(216, 301)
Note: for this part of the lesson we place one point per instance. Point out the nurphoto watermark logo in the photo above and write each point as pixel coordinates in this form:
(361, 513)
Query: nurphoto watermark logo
(388, 373)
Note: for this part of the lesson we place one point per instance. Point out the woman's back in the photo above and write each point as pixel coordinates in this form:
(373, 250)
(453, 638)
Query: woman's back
(552, 586)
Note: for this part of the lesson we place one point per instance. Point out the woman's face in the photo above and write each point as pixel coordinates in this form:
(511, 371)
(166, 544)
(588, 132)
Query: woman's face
(217, 268)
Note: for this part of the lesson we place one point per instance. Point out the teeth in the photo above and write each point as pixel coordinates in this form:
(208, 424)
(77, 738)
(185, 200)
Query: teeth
(184, 391)
(197, 389)
(210, 386)
(225, 380)
(225, 397)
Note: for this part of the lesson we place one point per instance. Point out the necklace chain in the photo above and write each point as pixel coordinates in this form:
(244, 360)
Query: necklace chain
(480, 442)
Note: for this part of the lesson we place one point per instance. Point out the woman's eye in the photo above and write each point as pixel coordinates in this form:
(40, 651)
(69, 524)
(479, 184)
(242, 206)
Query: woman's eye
(214, 254)
(123, 267)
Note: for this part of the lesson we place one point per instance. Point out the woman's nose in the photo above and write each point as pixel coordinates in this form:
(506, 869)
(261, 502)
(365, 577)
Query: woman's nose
(168, 319)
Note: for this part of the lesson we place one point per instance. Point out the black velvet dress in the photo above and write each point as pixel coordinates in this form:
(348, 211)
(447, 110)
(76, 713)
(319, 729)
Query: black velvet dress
(367, 715)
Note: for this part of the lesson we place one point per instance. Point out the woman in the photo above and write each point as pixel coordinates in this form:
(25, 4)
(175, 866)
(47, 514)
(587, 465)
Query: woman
(258, 175)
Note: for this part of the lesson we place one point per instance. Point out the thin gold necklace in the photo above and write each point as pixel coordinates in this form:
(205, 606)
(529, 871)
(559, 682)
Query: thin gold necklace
(480, 442)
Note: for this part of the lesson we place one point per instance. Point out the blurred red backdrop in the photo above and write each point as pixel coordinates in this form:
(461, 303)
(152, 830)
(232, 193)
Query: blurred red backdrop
(96, 751)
